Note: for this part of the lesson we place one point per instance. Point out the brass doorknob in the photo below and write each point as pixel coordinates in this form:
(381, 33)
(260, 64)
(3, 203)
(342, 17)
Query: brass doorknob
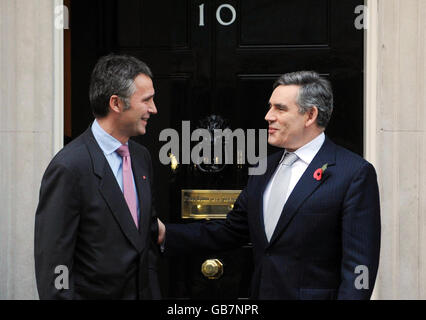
(212, 269)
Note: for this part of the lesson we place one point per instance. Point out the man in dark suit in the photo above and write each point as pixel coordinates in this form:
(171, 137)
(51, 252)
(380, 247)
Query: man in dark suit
(96, 227)
(314, 216)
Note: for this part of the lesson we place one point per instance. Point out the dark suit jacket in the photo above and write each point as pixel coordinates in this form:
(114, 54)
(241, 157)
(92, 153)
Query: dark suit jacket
(83, 223)
(327, 228)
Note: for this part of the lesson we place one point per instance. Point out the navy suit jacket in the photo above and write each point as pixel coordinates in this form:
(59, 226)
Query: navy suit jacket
(326, 230)
(83, 222)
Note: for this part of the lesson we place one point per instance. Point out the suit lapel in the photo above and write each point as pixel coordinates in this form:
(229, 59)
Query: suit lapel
(142, 181)
(306, 186)
(111, 192)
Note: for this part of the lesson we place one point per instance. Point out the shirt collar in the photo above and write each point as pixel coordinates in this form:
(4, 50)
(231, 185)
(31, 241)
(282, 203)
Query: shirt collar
(309, 150)
(107, 142)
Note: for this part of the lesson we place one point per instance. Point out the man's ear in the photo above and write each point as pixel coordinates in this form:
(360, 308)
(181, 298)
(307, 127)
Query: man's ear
(311, 116)
(115, 104)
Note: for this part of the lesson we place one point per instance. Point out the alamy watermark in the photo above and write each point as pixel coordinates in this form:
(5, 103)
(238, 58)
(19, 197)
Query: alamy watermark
(362, 281)
(221, 140)
(361, 21)
(62, 280)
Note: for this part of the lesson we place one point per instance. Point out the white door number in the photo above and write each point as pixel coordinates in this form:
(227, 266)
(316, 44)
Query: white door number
(218, 14)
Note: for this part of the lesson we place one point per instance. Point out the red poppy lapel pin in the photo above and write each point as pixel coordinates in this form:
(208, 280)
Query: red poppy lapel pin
(144, 177)
(319, 172)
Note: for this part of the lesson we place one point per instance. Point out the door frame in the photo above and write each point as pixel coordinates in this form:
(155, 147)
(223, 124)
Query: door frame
(371, 53)
(370, 87)
(58, 85)
(62, 108)
(370, 82)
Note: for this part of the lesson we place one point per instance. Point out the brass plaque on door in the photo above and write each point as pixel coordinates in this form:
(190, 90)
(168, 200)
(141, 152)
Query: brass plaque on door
(208, 204)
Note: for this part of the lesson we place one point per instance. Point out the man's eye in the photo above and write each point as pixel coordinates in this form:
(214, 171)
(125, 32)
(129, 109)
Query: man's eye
(277, 107)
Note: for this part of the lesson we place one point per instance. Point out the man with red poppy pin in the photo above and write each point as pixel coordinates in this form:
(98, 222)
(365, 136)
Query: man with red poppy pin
(328, 222)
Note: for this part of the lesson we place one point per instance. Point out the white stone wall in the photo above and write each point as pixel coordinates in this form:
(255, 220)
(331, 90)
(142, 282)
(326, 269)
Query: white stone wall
(396, 141)
(26, 134)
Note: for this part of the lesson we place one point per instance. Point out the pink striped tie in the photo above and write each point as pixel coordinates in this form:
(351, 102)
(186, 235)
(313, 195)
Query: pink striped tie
(128, 189)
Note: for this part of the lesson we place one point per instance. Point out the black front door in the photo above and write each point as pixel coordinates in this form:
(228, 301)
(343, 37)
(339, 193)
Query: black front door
(219, 57)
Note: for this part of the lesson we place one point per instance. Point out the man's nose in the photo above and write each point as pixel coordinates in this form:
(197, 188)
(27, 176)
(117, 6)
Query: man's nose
(269, 116)
(152, 108)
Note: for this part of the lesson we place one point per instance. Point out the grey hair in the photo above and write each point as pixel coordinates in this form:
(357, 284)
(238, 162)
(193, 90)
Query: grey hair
(131, 88)
(114, 75)
(315, 91)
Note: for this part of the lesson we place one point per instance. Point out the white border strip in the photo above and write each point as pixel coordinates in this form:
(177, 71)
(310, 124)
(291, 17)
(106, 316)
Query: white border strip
(371, 53)
(370, 82)
(58, 83)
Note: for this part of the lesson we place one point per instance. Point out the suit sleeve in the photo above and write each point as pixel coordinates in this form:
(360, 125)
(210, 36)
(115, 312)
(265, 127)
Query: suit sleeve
(154, 249)
(56, 225)
(360, 236)
(154, 216)
(212, 236)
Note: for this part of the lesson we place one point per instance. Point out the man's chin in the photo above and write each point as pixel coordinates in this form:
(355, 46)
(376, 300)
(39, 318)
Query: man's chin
(139, 132)
(274, 143)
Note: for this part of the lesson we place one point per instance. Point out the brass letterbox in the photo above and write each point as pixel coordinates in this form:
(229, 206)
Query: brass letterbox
(208, 204)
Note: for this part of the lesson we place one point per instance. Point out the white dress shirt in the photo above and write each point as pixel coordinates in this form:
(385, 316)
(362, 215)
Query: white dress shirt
(306, 154)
